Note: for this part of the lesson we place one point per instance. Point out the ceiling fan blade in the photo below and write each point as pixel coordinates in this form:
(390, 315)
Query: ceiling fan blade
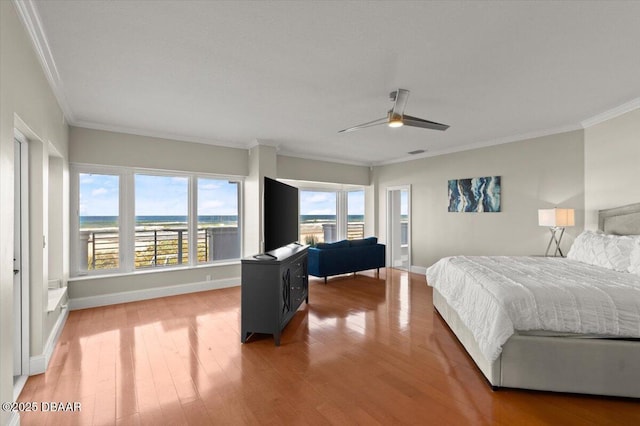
(425, 124)
(400, 101)
(363, 125)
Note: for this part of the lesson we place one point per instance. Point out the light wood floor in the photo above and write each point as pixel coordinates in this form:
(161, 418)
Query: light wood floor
(364, 351)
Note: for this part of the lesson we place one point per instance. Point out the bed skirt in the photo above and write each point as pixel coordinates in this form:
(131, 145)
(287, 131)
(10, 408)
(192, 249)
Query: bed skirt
(559, 364)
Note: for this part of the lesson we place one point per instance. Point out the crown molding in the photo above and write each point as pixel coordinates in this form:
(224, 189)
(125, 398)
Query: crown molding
(28, 14)
(516, 138)
(612, 113)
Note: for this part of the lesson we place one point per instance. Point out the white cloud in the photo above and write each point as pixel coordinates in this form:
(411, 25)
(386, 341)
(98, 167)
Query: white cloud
(208, 185)
(320, 197)
(99, 191)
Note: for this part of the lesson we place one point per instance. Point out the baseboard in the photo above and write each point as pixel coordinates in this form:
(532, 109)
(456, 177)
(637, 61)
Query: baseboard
(38, 364)
(418, 269)
(14, 419)
(151, 293)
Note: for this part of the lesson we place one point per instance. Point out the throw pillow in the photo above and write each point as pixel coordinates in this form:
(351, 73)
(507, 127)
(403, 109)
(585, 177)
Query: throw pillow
(607, 251)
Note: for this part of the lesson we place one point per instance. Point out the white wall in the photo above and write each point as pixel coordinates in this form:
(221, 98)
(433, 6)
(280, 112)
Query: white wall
(322, 171)
(612, 165)
(262, 162)
(538, 173)
(26, 102)
(122, 149)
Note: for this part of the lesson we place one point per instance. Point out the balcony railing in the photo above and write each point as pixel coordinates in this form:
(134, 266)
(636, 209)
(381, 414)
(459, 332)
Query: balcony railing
(158, 247)
(327, 232)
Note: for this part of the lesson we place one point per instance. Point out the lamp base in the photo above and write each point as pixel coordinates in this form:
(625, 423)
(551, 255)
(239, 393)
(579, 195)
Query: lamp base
(554, 239)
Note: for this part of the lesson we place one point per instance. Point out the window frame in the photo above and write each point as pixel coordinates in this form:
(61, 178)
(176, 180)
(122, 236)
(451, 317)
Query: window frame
(127, 222)
(342, 206)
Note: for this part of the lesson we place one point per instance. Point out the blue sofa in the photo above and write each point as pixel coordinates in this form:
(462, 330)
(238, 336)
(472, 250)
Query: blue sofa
(346, 256)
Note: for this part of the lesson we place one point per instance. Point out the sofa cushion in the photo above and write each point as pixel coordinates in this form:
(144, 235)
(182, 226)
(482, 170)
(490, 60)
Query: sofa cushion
(336, 245)
(369, 241)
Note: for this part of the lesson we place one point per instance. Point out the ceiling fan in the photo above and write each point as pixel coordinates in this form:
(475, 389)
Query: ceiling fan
(396, 116)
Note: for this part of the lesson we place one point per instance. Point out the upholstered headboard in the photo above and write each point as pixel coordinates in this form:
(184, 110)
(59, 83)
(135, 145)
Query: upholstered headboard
(623, 220)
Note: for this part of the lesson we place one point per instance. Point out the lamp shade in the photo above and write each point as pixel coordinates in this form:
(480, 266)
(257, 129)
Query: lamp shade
(556, 217)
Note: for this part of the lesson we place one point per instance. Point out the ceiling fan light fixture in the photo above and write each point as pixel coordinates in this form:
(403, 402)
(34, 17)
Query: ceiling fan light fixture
(397, 118)
(395, 121)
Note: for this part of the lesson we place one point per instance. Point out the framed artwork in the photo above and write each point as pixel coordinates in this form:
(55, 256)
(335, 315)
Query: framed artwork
(479, 194)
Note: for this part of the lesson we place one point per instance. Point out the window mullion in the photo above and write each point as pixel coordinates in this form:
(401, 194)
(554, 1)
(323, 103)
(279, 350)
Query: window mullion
(74, 191)
(341, 214)
(128, 226)
(193, 220)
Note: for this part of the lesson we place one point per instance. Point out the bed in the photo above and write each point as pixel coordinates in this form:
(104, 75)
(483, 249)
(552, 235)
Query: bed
(594, 351)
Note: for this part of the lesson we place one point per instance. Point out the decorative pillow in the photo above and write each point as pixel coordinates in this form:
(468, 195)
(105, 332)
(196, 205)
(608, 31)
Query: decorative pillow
(607, 251)
(634, 264)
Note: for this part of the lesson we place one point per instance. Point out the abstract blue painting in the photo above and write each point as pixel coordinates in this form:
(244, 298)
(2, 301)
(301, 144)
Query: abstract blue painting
(481, 194)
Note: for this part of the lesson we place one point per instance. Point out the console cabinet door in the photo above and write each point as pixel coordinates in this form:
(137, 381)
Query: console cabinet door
(285, 294)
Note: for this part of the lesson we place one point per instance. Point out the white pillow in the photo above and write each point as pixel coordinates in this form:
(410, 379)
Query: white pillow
(607, 251)
(634, 266)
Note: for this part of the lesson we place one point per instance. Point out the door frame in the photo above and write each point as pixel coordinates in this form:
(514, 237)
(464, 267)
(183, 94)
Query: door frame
(390, 190)
(24, 259)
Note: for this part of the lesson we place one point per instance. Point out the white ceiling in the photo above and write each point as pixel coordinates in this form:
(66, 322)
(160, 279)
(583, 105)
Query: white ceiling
(291, 74)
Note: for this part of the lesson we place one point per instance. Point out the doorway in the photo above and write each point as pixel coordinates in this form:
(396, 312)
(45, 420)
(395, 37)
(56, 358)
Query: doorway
(20, 265)
(399, 227)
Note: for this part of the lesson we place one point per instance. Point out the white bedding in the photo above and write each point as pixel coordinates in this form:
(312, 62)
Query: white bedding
(496, 295)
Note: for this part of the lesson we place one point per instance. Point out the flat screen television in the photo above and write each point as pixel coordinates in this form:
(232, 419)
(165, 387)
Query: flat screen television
(280, 205)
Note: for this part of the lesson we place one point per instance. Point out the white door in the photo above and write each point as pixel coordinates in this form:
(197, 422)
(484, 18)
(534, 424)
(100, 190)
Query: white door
(20, 263)
(399, 226)
(17, 273)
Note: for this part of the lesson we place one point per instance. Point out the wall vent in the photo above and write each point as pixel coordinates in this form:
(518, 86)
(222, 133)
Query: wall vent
(417, 151)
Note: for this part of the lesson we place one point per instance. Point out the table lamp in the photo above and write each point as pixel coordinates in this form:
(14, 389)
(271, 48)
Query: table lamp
(557, 220)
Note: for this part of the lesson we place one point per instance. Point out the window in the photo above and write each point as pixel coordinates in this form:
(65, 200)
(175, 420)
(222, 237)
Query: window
(318, 217)
(218, 230)
(328, 216)
(131, 219)
(99, 229)
(162, 217)
(355, 215)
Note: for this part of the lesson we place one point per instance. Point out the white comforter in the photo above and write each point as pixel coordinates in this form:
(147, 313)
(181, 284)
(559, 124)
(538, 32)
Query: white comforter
(496, 295)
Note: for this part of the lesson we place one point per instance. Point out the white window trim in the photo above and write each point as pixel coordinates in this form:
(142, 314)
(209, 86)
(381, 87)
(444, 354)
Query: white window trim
(126, 219)
(342, 208)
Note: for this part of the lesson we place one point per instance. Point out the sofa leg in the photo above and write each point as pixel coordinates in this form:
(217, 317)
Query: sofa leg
(325, 280)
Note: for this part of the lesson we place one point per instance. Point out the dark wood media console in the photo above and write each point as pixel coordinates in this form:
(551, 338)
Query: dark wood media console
(273, 288)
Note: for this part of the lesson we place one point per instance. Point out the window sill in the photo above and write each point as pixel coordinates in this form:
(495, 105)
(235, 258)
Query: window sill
(152, 271)
(55, 297)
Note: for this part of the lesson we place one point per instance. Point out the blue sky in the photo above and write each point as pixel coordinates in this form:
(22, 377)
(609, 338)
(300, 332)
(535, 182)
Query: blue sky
(168, 195)
(98, 195)
(321, 202)
(156, 196)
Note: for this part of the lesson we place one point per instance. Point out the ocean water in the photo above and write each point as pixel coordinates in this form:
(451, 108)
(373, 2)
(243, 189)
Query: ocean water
(112, 221)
